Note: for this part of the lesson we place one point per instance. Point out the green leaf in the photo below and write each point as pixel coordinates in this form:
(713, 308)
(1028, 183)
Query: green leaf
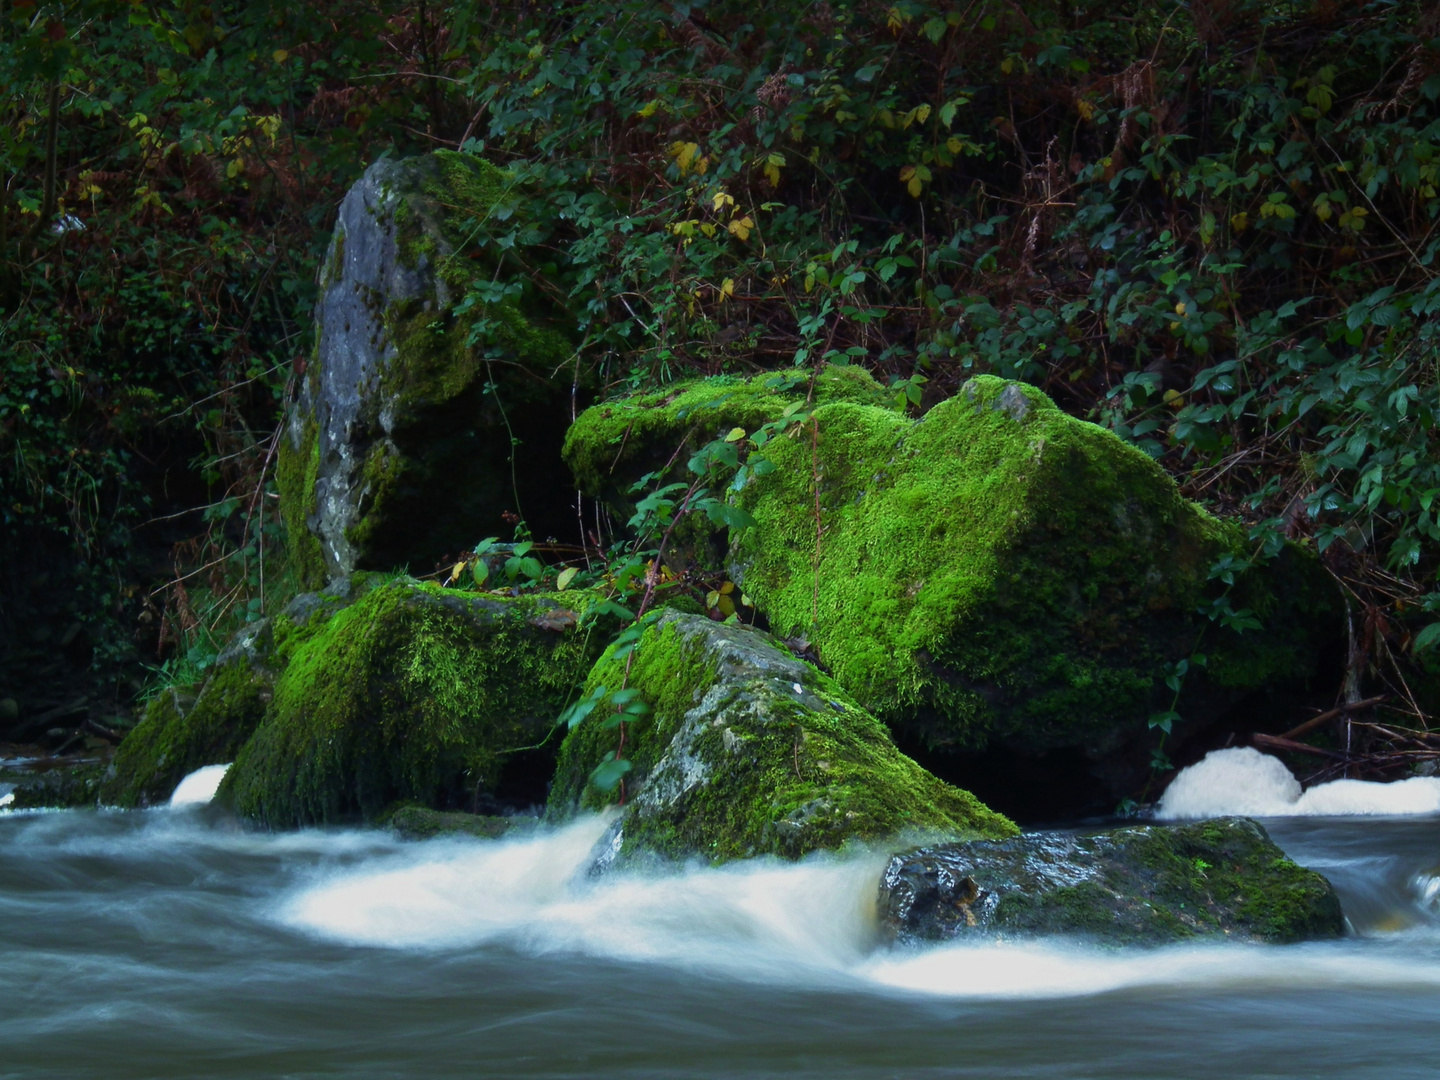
(566, 577)
(1426, 638)
(609, 773)
(479, 570)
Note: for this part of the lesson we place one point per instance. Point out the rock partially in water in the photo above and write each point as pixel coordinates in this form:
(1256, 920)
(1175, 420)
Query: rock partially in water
(423, 823)
(1146, 885)
(189, 726)
(186, 728)
(999, 576)
(747, 751)
(411, 693)
(398, 448)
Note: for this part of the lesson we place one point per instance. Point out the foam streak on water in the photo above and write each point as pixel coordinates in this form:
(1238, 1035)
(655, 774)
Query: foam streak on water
(179, 944)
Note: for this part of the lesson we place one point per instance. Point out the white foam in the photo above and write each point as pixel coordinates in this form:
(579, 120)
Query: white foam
(199, 787)
(756, 917)
(1242, 780)
(7, 798)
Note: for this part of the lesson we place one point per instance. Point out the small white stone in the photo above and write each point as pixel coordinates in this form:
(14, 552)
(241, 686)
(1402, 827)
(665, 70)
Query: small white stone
(799, 689)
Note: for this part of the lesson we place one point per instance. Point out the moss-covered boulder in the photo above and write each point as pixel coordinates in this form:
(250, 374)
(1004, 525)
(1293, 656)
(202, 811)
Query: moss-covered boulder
(999, 574)
(185, 729)
(747, 751)
(612, 445)
(398, 447)
(412, 693)
(423, 823)
(1148, 885)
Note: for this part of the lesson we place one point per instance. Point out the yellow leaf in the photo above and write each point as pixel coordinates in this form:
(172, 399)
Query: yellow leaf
(650, 109)
(922, 113)
(727, 588)
(914, 186)
(280, 56)
(906, 173)
(456, 571)
(735, 435)
(954, 145)
(1007, 65)
(708, 230)
(723, 199)
(727, 288)
(566, 577)
(684, 154)
(712, 598)
(772, 174)
(1180, 309)
(726, 606)
(740, 227)
(1085, 109)
(1240, 222)
(1173, 398)
(895, 20)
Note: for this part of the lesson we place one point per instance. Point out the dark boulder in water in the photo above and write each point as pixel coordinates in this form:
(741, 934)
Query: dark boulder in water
(1145, 885)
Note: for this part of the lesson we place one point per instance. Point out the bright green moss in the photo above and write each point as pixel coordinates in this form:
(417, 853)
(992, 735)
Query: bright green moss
(1001, 569)
(734, 761)
(179, 734)
(296, 469)
(613, 444)
(411, 693)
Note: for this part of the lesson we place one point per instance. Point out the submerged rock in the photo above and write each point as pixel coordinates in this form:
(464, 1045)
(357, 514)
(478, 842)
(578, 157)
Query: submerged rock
(1001, 576)
(422, 823)
(411, 693)
(1149, 885)
(747, 751)
(398, 448)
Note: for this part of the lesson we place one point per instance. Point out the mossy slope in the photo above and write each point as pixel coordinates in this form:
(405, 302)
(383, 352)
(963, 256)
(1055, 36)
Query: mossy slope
(1145, 885)
(1001, 570)
(749, 751)
(613, 444)
(411, 693)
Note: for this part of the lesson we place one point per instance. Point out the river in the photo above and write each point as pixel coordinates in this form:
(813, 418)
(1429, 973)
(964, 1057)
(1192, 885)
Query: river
(172, 943)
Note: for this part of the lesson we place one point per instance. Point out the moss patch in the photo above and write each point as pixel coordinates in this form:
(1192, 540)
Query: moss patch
(749, 751)
(612, 445)
(411, 693)
(297, 465)
(1146, 885)
(1000, 569)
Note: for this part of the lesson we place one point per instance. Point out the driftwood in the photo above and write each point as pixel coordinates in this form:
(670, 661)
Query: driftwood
(1279, 742)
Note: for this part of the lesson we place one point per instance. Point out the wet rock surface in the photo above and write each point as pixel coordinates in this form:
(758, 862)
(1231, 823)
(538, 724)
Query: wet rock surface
(422, 823)
(1148, 885)
(748, 751)
(397, 448)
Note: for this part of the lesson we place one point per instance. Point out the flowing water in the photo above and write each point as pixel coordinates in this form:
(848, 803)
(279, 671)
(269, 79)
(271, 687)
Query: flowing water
(171, 943)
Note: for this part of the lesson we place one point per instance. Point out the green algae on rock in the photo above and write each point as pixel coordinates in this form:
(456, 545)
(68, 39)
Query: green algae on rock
(183, 730)
(1146, 885)
(999, 570)
(206, 723)
(398, 447)
(749, 751)
(613, 444)
(412, 693)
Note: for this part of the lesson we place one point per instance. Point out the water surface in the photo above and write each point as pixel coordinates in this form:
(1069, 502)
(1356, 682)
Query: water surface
(171, 943)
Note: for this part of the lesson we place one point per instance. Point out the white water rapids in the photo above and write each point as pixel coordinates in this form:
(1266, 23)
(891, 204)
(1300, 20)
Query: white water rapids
(156, 941)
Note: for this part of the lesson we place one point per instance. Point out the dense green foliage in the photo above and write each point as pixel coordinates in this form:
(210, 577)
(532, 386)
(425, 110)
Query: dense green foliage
(1208, 226)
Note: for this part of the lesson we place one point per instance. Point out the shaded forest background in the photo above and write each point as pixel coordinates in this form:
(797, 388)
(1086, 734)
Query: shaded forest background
(1208, 226)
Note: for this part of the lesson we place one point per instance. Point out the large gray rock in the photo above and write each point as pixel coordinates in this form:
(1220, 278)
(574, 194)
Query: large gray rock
(746, 751)
(397, 447)
(1149, 884)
